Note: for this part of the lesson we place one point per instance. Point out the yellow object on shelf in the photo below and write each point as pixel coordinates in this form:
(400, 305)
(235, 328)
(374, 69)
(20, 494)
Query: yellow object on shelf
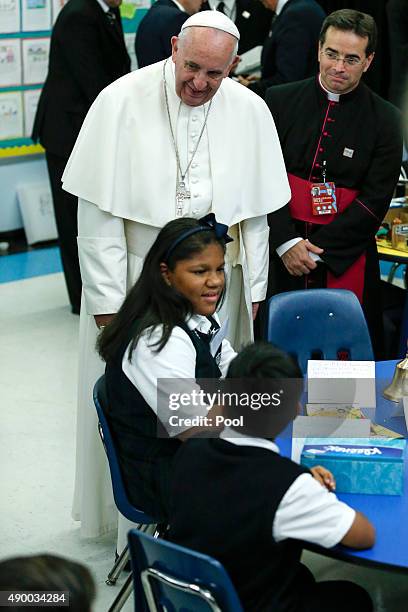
(20, 150)
(385, 248)
(127, 10)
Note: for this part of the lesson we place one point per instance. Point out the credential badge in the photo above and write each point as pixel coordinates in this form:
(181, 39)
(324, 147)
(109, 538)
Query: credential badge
(348, 152)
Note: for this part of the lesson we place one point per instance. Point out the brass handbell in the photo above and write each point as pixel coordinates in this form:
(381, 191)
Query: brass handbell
(399, 384)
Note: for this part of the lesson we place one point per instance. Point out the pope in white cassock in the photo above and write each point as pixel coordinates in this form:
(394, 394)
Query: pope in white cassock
(176, 138)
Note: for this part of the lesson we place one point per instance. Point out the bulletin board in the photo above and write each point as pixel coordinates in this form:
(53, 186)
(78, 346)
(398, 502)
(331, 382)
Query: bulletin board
(25, 31)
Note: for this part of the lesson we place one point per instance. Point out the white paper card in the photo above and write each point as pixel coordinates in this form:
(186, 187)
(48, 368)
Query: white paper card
(36, 207)
(35, 60)
(9, 16)
(326, 427)
(36, 15)
(341, 382)
(31, 97)
(10, 62)
(11, 115)
(250, 61)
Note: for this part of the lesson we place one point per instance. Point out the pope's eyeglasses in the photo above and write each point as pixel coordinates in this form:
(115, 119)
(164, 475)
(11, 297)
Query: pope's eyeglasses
(335, 57)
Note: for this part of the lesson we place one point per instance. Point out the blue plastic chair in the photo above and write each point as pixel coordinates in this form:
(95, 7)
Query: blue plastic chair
(172, 578)
(319, 324)
(119, 493)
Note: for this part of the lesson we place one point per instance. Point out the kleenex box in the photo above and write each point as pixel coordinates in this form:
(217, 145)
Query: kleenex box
(359, 465)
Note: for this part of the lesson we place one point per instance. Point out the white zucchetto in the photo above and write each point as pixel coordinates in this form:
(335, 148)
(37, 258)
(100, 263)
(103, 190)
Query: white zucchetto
(212, 19)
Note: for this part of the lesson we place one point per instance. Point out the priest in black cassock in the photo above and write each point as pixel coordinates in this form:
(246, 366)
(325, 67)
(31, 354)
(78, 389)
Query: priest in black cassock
(342, 146)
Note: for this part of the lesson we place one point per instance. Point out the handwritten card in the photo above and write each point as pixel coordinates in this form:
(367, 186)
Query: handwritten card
(341, 382)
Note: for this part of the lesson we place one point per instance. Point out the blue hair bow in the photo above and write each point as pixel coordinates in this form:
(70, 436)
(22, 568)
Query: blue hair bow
(220, 229)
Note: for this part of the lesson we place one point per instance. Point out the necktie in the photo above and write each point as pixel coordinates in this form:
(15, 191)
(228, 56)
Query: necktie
(112, 20)
(221, 7)
(207, 337)
(111, 17)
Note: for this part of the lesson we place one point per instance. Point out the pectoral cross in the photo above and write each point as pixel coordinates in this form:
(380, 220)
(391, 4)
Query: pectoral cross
(181, 195)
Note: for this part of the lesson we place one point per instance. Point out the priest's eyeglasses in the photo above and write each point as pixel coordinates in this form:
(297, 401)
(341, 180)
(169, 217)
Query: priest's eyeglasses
(348, 60)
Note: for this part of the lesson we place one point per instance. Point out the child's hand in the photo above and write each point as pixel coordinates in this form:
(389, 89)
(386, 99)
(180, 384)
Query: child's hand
(324, 476)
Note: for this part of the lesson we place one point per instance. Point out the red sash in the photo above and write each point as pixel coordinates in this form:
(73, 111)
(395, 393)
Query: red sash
(301, 210)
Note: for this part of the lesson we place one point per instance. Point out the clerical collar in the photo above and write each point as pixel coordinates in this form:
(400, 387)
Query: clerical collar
(230, 9)
(333, 97)
(279, 6)
(179, 6)
(103, 5)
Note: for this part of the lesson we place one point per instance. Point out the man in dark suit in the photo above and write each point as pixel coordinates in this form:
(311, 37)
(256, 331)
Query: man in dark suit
(87, 53)
(162, 21)
(290, 51)
(251, 18)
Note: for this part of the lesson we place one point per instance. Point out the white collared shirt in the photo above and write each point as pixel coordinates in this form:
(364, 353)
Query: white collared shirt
(279, 6)
(180, 6)
(230, 7)
(308, 511)
(103, 5)
(177, 360)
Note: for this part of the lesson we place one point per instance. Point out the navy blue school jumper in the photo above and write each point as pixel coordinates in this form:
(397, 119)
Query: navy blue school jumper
(224, 498)
(146, 459)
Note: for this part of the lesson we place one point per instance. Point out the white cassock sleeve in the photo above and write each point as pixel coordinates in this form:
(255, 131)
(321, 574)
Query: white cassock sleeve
(255, 236)
(102, 257)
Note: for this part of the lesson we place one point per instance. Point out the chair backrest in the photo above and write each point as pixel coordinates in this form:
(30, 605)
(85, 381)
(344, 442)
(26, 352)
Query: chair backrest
(172, 578)
(119, 492)
(319, 324)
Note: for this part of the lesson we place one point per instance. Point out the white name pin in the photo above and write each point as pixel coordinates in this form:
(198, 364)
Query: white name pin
(348, 152)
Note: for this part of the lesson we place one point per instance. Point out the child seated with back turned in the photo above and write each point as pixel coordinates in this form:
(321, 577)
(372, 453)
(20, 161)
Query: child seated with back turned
(235, 498)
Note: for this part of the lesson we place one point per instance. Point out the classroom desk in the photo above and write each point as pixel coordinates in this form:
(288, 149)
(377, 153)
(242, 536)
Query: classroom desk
(388, 513)
(398, 258)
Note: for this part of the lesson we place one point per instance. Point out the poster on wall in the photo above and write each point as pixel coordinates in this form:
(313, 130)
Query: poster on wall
(35, 60)
(11, 115)
(56, 7)
(36, 15)
(31, 97)
(128, 8)
(10, 62)
(9, 16)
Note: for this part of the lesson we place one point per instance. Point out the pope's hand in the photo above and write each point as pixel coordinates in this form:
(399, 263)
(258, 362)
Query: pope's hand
(103, 320)
(255, 308)
(297, 260)
(247, 80)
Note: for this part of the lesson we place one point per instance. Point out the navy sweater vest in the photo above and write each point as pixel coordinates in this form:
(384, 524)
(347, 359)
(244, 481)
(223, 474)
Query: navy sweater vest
(146, 459)
(223, 501)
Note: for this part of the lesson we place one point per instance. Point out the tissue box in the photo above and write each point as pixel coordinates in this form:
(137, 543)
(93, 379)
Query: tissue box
(359, 465)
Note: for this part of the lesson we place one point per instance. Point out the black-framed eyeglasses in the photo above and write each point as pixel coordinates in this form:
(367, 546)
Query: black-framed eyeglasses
(333, 56)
